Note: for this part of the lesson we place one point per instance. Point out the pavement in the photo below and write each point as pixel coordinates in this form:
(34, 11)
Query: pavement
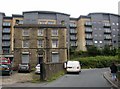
(108, 77)
(15, 78)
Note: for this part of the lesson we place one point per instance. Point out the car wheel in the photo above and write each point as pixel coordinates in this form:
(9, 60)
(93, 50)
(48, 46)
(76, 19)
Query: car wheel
(10, 73)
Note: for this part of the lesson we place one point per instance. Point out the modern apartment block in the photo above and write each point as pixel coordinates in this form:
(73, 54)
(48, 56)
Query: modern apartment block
(73, 33)
(98, 29)
(1, 21)
(7, 35)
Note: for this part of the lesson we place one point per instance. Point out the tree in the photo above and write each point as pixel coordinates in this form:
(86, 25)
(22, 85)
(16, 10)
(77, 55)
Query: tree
(92, 50)
(106, 50)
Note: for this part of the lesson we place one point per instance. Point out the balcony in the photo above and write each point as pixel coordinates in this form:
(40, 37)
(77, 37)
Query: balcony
(88, 24)
(107, 25)
(73, 32)
(6, 31)
(108, 38)
(88, 30)
(107, 31)
(73, 25)
(108, 43)
(6, 24)
(73, 38)
(73, 45)
(5, 45)
(89, 43)
(89, 38)
(6, 38)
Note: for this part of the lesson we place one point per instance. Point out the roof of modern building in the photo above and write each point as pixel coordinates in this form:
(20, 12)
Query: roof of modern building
(17, 15)
(83, 16)
(2, 13)
(7, 17)
(40, 26)
(71, 18)
(103, 14)
(45, 12)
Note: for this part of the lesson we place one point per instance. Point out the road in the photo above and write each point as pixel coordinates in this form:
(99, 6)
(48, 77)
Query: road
(87, 78)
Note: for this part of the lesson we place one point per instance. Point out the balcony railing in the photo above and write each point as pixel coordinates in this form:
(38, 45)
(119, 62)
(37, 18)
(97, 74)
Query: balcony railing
(6, 24)
(6, 31)
(6, 38)
(73, 32)
(73, 38)
(89, 43)
(108, 38)
(107, 31)
(5, 45)
(107, 25)
(89, 24)
(73, 45)
(89, 37)
(73, 25)
(88, 30)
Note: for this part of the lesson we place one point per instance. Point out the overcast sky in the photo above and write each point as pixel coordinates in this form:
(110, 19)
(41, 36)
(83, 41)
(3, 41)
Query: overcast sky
(73, 7)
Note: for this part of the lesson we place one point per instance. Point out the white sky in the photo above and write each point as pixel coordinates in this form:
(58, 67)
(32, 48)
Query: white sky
(73, 7)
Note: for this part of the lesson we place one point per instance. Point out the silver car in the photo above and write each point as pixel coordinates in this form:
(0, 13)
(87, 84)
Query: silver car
(24, 67)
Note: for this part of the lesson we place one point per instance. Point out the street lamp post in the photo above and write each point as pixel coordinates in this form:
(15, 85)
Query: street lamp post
(41, 54)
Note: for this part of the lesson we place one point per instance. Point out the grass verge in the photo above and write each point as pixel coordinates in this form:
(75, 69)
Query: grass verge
(56, 76)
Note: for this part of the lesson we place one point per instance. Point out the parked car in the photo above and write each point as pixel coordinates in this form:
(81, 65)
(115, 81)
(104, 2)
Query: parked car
(24, 67)
(37, 71)
(5, 69)
(73, 66)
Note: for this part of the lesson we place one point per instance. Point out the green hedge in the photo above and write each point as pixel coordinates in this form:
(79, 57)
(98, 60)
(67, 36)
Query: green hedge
(98, 61)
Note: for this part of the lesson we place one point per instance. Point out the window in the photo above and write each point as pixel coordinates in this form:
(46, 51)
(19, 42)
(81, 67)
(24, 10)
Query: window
(42, 22)
(54, 32)
(95, 41)
(113, 23)
(25, 58)
(50, 22)
(55, 57)
(19, 21)
(100, 41)
(25, 32)
(113, 35)
(25, 44)
(117, 24)
(40, 43)
(95, 34)
(40, 32)
(113, 29)
(114, 41)
(54, 43)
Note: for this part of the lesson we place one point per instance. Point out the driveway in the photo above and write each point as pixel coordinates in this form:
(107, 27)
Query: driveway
(15, 78)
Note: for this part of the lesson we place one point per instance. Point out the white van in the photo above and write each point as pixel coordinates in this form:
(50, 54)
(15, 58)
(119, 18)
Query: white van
(73, 66)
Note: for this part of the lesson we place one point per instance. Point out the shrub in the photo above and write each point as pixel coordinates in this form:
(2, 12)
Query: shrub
(98, 61)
